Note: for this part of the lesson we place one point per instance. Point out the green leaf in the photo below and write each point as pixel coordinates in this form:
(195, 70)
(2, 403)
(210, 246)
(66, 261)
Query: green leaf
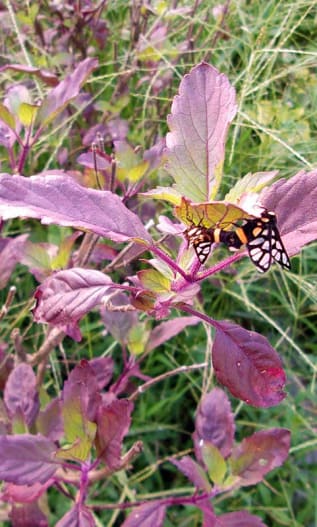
(7, 117)
(27, 113)
(214, 462)
(250, 183)
(154, 281)
(138, 338)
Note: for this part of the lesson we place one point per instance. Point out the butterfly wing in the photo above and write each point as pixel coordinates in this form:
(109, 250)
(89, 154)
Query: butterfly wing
(201, 239)
(265, 244)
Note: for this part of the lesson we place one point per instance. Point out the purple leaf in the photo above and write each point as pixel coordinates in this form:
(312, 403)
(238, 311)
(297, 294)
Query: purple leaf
(26, 459)
(295, 203)
(61, 200)
(167, 330)
(24, 493)
(119, 323)
(44, 75)
(78, 516)
(12, 250)
(49, 422)
(28, 515)
(65, 297)
(193, 472)
(149, 515)
(103, 370)
(247, 365)
(113, 424)
(259, 454)
(238, 519)
(65, 92)
(209, 517)
(200, 117)
(214, 423)
(21, 395)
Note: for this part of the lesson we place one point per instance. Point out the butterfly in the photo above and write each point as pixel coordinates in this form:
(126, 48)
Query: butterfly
(260, 235)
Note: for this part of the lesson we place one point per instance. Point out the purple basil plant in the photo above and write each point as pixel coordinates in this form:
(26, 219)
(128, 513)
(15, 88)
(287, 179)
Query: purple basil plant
(76, 439)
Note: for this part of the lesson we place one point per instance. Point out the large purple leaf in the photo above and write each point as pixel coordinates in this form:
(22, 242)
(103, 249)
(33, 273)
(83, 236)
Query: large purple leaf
(194, 472)
(200, 117)
(61, 200)
(65, 297)
(21, 395)
(65, 91)
(12, 250)
(26, 459)
(295, 203)
(78, 516)
(148, 515)
(238, 519)
(214, 423)
(259, 454)
(113, 424)
(245, 362)
(167, 330)
(28, 515)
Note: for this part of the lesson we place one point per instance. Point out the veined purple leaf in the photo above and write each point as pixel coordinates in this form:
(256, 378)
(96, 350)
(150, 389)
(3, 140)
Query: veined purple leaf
(167, 330)
(247, 365)
(65, 92)
(238, 519)
(44, 75)
(113, 424)
(295, 203)
(119, 323)
(24, 493)
(11, 253)
(259, 454)
(78, 516)
(26, 459)
(194, 472)
(65, 297)
(199, 121)
(61, 200)
(214, 423)
(27, 515)
(103, 370)
(149, 515)
(21, 395)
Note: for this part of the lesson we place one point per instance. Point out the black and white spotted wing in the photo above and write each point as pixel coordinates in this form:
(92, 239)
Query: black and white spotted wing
(264, 242)
(201, 238)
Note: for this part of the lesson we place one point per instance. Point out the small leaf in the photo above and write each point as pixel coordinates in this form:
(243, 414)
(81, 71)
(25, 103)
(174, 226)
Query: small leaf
(78, 516)
(247, 365)
(250, 183)
(149, 515)
(214, 423)
(154, 281)
(238, 519)
(6, 116)
(199, 121)
(259, 454)
(21, 395)
(167, 330)
(167, 193)
(214, 462)
(194, 472)
(137, 338)
(210, 214)
(12, 251)
(27, 113)
(119, 323)
(50, 78)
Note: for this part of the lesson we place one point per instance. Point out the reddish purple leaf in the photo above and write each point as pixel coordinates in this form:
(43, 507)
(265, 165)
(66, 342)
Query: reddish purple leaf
(238, 519)
(247, 365)
(209, 517)
(214, 423)
(149, 515)
(199, 121)
(24, 493)
(103, 370)
(61, 200)
(65, 91)
(294, 201)
(49, 422)
(44, 75)
(113, 424)
(82, 386)
(119, 323)
(11, 253)
(26, 459)
(65, 297)
(78, 516)
(259, 454)
(193, 472)
(167, 330)
(21, 395)
(28, 515)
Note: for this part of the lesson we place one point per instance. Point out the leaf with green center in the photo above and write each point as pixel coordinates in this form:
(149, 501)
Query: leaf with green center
(214, 462)
(210, 214)
(27, 113)
(198, 123)
(137, 338)
(7, 117)
(154, 281)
